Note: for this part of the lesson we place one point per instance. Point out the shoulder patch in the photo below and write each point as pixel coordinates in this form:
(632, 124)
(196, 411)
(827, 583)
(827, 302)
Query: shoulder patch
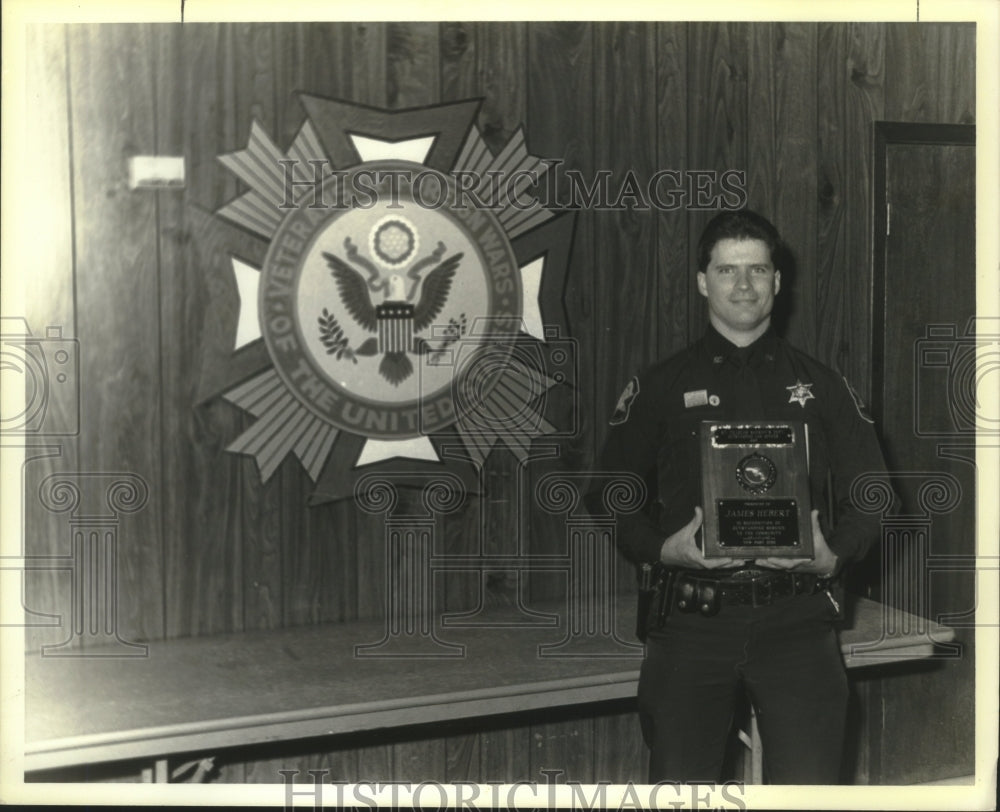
(859, 404)
(625, 401)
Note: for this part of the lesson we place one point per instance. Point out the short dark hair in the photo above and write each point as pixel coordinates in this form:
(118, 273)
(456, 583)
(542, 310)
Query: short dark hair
(743, 224)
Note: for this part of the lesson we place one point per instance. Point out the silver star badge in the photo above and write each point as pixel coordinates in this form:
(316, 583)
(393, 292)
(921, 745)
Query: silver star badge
(800, 393)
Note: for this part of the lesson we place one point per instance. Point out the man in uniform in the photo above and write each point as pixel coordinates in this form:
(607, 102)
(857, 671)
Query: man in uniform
(717, 624)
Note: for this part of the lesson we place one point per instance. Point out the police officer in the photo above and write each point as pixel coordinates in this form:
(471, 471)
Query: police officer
(719, 625)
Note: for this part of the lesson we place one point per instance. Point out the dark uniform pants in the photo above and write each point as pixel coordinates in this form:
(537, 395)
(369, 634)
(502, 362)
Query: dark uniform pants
(787, 656)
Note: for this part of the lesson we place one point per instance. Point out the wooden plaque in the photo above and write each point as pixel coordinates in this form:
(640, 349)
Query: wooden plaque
(755, 490)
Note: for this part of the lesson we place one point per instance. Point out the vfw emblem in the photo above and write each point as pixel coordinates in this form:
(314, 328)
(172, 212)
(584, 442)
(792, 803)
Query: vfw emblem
(407, 306)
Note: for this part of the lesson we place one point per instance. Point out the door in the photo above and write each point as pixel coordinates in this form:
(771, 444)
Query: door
(925, 382)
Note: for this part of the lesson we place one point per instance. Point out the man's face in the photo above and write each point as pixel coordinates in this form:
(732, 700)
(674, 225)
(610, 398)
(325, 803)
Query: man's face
(740, 284)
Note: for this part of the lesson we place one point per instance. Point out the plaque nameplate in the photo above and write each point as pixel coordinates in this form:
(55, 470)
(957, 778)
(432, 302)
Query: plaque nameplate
(755, 490)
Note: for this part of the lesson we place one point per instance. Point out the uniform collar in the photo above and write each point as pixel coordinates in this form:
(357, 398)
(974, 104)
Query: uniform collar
(720, 349)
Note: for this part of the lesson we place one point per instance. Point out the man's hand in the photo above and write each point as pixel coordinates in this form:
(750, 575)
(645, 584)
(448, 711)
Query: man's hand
(681, 550)
(824, 562)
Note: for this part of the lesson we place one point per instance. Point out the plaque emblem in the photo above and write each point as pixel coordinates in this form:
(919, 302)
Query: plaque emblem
(400, 294)
(756, 473)
(762, 510)
(369, 330)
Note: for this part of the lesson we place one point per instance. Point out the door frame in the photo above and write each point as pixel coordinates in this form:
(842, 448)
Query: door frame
(886, 134)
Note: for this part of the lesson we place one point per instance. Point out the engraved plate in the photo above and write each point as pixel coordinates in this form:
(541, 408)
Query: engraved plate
(755, 488)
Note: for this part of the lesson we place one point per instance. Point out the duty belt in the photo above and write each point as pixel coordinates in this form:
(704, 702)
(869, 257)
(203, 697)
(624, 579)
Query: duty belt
(693, 590)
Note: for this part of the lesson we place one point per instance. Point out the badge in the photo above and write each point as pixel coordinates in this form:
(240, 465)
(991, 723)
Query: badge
(800, 393)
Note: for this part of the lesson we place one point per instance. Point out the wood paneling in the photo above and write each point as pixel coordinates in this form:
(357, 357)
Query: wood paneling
(142, 279)
(413, 70)
(49, 302)
(674, 267)
(627, 758)
(203, 536)
(851, 77)
(625, 277)
(116, 276)
(941, 89)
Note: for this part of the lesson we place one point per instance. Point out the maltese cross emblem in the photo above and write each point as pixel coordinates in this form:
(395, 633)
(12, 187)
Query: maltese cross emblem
(800, 393)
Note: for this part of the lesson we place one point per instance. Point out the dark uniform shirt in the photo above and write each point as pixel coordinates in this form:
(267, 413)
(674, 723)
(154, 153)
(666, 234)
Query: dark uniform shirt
(655, 434)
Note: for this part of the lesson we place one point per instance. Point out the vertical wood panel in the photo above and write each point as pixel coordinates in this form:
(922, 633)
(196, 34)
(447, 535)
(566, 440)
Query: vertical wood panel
(563, 747)
(117, 299)
(717, 122)
(502, 62)
(459, 58)
(48, 300)
(851, 77)
(413, 68)
(626, 281)
(675, 272)
(463, 757)
(370, 64)
(620, 754)
(932, 73)
(505, 755)
(781, 156)
(203, 533)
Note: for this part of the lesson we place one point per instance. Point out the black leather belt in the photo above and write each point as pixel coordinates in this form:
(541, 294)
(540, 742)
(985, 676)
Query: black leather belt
(694, 590)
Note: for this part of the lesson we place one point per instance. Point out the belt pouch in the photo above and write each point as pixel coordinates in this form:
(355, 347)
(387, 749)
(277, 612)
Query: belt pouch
(647, 600)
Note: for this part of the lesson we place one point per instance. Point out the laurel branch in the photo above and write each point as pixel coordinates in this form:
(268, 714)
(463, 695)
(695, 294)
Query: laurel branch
(333, 338)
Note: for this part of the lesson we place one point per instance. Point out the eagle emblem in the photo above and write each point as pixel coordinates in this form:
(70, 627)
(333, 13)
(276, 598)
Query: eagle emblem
(397, 320)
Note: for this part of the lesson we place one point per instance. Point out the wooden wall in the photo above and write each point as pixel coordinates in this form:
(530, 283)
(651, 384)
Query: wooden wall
(127, 274)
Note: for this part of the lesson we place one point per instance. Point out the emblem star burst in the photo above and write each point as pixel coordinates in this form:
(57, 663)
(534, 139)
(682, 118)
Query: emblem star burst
(284, 426)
